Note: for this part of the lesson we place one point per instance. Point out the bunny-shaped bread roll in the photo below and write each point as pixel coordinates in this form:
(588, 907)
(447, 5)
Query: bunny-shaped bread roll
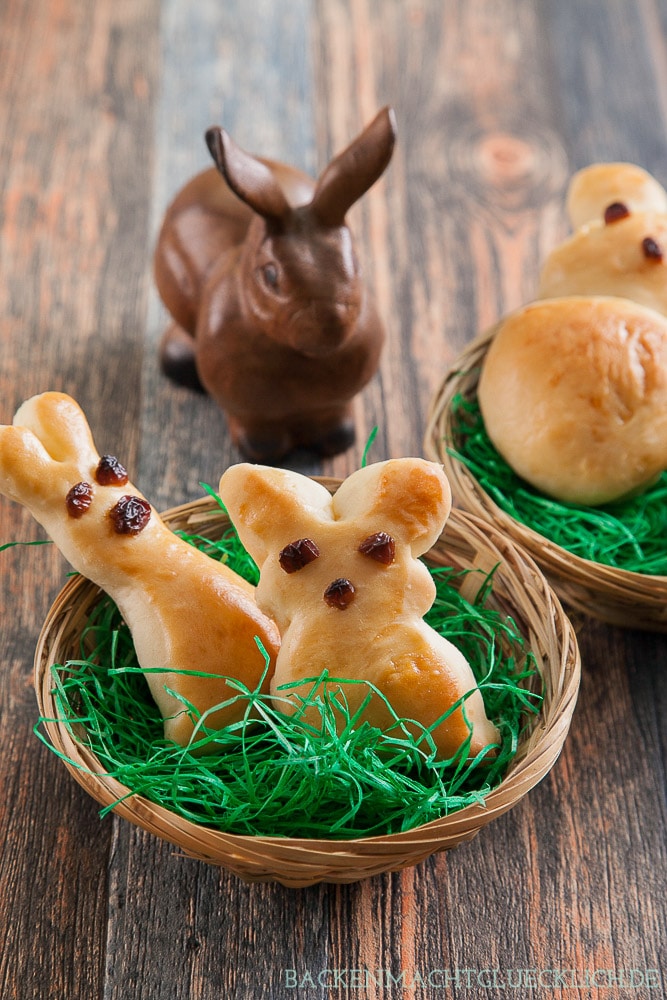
(258, 269)
(573, 389)
(186, 612)
(341, 577)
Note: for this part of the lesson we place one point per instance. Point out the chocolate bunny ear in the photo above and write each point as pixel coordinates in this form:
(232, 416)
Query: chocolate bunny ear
(250, 179)
(352, 172)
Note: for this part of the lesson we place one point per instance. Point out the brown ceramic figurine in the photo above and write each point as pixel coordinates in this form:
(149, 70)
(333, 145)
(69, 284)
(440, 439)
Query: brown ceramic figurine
(270, 316)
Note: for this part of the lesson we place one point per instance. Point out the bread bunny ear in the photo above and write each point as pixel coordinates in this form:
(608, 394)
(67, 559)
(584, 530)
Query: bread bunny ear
(410, 494)
(271, 507)
(250, 179)
(352, 172)
(48, 443)
(61, 426)
(24, 466)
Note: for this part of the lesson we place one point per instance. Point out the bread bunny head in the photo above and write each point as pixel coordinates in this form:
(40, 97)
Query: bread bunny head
(49, 463)
(619, 213)
(369, 533)
(341, 577)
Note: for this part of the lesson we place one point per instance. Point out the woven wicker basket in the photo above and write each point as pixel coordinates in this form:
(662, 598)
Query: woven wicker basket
(613, 595)
(519, 589)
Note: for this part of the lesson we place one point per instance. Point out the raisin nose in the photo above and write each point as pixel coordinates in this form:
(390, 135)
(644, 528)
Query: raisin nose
(339, 594)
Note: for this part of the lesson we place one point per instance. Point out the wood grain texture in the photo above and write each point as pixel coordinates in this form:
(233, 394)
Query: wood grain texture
(75, 167)
(102, 109)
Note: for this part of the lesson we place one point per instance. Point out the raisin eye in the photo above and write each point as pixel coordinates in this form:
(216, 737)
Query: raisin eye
(380, 547)
(110, 472)
(79, 499)
(270, 272)
(298, 554)
(130, 515)
(339, 594)
(652, 250)
(615, 212)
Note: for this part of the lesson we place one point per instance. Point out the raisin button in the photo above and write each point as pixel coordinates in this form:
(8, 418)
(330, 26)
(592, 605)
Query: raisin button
(298, 554)
(380, 547)
(339, 594)
(110, 472)
(130, 515)
(79, 499)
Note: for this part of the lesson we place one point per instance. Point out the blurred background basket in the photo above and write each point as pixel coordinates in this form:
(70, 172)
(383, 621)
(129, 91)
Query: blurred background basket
(613, 595)
(519, 590)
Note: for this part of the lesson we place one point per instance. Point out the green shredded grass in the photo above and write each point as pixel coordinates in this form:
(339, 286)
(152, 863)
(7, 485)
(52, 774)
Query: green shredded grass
(274, 774)
(629, 535)
(39, 541)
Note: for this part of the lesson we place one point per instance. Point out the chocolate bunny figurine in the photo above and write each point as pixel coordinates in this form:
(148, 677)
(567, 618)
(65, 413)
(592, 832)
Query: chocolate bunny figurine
(270, 315)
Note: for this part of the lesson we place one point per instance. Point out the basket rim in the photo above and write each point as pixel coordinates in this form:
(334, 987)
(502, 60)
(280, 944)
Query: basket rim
(523, 774)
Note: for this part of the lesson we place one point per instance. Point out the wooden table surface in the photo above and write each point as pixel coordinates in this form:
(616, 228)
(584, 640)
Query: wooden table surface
(102, 112)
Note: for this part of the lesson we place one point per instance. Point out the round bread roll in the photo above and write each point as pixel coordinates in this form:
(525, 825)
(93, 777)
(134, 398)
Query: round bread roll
(574, 396)
(623, 258)
(594, 188)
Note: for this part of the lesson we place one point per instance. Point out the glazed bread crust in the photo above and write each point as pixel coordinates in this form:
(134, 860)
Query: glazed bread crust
(379, 636)
(186, 612)
(610, 260)
(574, 396)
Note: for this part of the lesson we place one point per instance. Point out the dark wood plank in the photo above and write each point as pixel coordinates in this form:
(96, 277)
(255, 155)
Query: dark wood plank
(602, 118)
(75, 164)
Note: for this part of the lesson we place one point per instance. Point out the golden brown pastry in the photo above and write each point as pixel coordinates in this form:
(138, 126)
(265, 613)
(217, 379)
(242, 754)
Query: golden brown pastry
(592, 190)
(573, 389)
(622, 258)
(341, 577)
(186, 612)
(619, 214)
(574, 395)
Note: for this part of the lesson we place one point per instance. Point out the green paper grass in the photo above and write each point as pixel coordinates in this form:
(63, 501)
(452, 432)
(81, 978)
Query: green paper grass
(276, 775)
(629, 535)
(39, 541)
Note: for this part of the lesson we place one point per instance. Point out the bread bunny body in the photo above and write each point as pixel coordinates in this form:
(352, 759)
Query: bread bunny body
(186, 612)
(574, 386)
(341, 577)
(258, 269)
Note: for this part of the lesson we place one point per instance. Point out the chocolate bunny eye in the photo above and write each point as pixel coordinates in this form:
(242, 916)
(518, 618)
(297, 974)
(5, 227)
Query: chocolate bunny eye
(298, 554)
(270, 274)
